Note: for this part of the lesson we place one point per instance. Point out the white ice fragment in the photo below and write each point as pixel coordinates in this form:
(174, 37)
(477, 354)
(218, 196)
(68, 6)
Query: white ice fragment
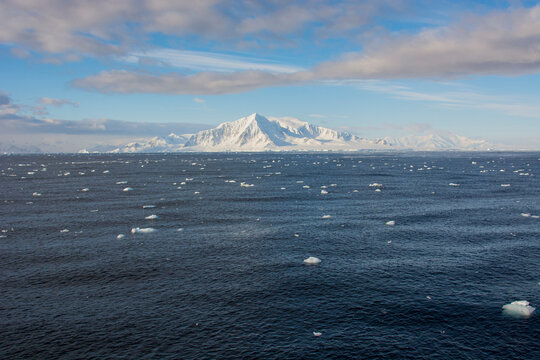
(121, 182)
(324, 192)
(64, 230)
(377, 190)
(453, 184)
(139, 230)
(525, 214)
(85, 189)
(375, 185)
(196, 193)
(306, 186)
(151, 217)
(391, 223)
(180, 229)
(120, 236)
(36, 194)
(315, 333)
(243, 184)
(505, 185)
(518, 309)
(106, 171)
(312, 260)
(326, 216)
(148, 206)
(283, 188)
(128, 189)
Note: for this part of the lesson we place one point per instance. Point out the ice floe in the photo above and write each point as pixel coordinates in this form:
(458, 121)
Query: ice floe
(377, 185)
(138, 230)
(312, 260)
(391, 223)
(326, 216)
(128, 189)
(505, 185)
(316, 333)
(152, 217)
(85, 189)
(324, 192)
(243, 184)
(453, 184)
(518, 309)
(64, 231)
(148, 206)
(120, 236)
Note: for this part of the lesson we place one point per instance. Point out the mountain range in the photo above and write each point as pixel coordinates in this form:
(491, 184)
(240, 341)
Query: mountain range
(256, 133)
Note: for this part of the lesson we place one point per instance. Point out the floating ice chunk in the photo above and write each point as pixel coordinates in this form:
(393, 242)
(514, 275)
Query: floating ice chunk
(85, 189)
(128, 189)
(453, 184)
(180, 229)
(196, 193)
(120, 236)
(324, 192)
(377, 190)
(152, 217)
(148, 206)
(375, 185)
(64, 231)
(106, 171)
(296, 235)
(518, 309)
(535, 216)
(243, 184)
(121, 182)
(299, 181)
(355, 190)
(306, 186)
(505, 185)
(391, 223)
(139, 230)
(283, 188)
(525, 214)
(326, 216)
(312, 260)
(315, 333)
(36, 194)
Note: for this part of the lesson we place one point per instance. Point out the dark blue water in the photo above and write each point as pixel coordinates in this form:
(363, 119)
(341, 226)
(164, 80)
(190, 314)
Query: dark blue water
(232, 283)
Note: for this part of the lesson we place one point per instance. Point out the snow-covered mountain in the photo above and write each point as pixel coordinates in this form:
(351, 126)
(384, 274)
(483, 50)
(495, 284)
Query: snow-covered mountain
(438, 142)
(259, 133)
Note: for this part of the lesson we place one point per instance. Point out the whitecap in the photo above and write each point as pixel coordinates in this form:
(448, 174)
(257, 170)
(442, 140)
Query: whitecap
(312, 260)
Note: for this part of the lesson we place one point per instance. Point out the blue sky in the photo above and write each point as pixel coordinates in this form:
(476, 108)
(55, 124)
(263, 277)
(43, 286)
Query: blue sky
(375, 68)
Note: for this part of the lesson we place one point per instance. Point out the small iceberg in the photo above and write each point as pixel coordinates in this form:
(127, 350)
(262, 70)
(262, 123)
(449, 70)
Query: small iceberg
(85, 189)
(315, 333)
(505, 185)
(243, 184)
(139, 230)
(36, 194)
(526, 214)
(312, 260)
(377, 185)
(128, 189)
(391, 223)
(152, 217)
(326, 216)
(518, 309)
(64, 231)
(148, 206)
(377, 190)
(324, 192)
(120, 236)
(453, 184)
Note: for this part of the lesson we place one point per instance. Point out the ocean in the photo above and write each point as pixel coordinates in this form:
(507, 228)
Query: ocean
(219, 272)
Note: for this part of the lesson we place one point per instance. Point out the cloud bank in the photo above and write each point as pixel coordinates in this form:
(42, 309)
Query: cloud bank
(500, 43)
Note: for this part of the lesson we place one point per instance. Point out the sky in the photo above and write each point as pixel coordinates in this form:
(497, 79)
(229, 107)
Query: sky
(77, 72)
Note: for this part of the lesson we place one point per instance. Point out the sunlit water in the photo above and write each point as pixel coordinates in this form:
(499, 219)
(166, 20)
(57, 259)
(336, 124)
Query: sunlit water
(223, 275)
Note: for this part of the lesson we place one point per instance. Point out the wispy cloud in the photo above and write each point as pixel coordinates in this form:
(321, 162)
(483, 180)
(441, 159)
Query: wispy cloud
(57, 102)
(199, 100)
(500, 43)
(207, 61)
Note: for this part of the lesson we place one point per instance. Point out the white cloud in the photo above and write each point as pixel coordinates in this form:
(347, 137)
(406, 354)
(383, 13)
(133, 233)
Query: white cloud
(199, 100)
(57, 102)
(206, 61)
(500, 43)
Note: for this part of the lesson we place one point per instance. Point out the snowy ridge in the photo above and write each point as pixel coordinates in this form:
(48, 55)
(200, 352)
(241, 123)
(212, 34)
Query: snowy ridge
(256, 132)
